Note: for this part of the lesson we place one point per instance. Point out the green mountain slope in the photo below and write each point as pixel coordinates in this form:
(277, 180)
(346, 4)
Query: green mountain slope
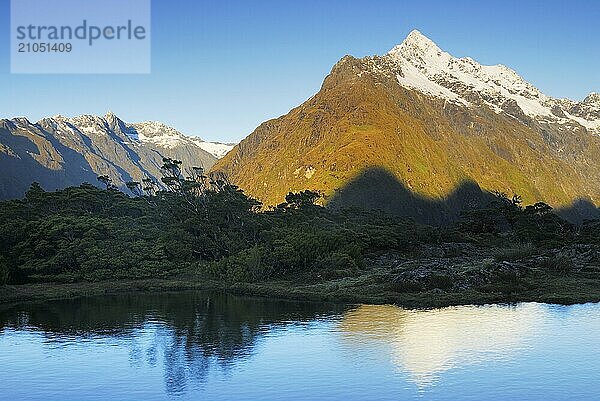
(362, 118)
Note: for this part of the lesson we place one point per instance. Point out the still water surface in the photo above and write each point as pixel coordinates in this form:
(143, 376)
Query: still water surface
(218, 347)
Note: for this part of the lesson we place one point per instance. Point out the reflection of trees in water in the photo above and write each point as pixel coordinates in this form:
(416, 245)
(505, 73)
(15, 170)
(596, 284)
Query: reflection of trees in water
(192, 331)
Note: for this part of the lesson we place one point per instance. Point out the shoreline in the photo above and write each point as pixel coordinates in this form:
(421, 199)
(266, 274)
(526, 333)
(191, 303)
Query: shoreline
(39, 292)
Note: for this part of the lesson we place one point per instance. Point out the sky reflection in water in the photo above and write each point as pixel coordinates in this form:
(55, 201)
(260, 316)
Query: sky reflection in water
(214, 346)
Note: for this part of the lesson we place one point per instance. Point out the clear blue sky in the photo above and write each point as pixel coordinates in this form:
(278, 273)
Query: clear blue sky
(220, 68)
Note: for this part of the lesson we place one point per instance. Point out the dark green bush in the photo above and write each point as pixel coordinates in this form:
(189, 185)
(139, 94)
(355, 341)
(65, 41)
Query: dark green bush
(85, 233)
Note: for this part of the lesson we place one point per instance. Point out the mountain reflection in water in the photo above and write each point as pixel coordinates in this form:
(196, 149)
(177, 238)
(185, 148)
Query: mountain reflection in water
(427, 342)
(190, 331)
(201, 345)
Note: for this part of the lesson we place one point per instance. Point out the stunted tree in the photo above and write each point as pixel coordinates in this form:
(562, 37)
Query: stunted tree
(504, 200)
(500, 215)
(135, 187)
(107, 181)
(539, 209)
(149, 186)
(172, 177)
(300, 200)
(539, 218)
(35, 192)
(510, 207)
(195, 187)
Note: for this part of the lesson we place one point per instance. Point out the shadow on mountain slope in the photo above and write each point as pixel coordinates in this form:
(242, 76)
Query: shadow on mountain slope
(377, 188)
(18, 171)
(579, 211)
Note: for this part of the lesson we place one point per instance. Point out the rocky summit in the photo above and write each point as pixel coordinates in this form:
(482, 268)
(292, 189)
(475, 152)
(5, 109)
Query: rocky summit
(418, 129)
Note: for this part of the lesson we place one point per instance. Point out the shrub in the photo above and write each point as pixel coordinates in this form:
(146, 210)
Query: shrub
(334, 265)
(559, 264)
(249, 265)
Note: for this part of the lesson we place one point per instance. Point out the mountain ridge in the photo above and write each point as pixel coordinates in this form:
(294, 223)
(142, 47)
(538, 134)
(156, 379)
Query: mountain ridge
(410, 113)
(495, 84)
(61, 151)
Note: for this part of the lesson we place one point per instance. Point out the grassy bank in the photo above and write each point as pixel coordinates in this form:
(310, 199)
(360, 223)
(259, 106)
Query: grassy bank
(370, 288)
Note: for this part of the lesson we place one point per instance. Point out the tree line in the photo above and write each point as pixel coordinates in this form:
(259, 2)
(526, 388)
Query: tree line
(192, 222)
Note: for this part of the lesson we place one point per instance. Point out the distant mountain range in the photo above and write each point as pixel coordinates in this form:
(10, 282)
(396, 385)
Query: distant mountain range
(418, 123)
(58, 152)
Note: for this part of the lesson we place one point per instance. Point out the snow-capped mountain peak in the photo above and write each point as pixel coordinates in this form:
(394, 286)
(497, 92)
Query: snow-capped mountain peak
(425, 67)
(155, 132)
(417, 44)
(152, 133)
(592, 100)
(217, 149)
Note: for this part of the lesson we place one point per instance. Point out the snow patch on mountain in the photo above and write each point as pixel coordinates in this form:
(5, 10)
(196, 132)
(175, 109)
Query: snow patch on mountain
(590, 125)
(434, 72)
(415, 79)
(217, 149)
(153, 133)
(159, 134)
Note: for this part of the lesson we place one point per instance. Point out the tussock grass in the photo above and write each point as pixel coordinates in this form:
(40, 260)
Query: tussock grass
(514, 253)
(560, 264)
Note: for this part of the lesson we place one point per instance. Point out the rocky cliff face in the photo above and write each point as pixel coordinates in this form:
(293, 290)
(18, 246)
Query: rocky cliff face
(431, 121)
(58, 152)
